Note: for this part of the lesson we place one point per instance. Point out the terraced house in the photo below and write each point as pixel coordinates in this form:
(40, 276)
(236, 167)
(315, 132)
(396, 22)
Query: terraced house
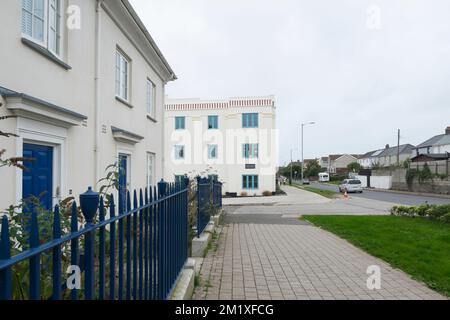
(233, 140)
(85, 80)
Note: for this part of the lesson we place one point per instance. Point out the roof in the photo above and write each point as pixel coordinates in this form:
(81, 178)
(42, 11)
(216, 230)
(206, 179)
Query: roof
(334, 157)
(367, 155)
(149, 38)
(404, 149)
(439, 140)
(431, 157)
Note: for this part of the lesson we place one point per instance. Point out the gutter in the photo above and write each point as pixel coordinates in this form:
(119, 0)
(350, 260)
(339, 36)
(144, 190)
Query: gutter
(97, 93)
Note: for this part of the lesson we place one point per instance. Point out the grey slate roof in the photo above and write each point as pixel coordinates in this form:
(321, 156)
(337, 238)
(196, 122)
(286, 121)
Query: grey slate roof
(438, 140)
(404, 149)
(368, 154)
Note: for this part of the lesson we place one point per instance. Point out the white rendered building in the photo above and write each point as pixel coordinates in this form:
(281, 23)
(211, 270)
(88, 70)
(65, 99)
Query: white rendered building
(85, 81)
(233, 139)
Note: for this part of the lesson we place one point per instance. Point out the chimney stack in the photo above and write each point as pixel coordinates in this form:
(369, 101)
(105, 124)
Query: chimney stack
(447, 131)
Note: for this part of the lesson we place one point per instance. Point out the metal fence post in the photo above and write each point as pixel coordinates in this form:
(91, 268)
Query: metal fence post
(187, 183)
(5, 254)
(89, 205)
(162, 189)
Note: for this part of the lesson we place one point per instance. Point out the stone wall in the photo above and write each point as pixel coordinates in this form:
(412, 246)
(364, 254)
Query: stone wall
(436, 185)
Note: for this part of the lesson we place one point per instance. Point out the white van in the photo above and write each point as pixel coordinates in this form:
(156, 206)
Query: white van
(324, 177)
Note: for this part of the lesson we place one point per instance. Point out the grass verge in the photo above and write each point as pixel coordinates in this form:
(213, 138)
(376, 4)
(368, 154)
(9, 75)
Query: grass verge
(324, 193)
(418, 246)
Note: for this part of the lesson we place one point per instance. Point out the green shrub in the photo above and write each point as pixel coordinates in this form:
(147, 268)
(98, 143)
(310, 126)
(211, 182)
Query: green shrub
(422, 210)
(425, 173)
(436, 212)
(433, 212)
(445, 218)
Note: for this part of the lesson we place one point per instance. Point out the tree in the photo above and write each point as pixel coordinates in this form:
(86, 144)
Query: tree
(354, 167)
(312, 169)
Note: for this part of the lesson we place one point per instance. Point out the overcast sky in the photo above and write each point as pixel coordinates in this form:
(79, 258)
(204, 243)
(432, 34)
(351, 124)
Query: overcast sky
(359, 75)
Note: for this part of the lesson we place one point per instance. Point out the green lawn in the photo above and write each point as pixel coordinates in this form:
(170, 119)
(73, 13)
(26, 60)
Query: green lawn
(417, 246)
(325, 193)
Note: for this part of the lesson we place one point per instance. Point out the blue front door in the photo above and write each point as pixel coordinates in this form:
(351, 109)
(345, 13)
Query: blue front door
(38, 176)
(123, 167)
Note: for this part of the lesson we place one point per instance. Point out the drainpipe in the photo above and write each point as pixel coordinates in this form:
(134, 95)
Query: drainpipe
(97, 123)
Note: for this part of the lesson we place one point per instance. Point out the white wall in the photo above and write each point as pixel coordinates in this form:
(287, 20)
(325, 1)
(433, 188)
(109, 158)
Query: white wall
(230, 165)
(24, 70)
(381, 182)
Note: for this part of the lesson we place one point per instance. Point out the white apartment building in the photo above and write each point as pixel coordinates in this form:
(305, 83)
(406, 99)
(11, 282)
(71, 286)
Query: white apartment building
(234, 140)
(85, 81)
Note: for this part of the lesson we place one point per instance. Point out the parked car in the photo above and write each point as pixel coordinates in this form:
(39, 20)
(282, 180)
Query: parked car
(306, 181)
(351, 185)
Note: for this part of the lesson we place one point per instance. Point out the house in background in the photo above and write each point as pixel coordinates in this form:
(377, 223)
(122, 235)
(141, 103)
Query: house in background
(439, 144)
(83, 98)
(338, 163)
(231, 139)
(324, 162)
(386, 157)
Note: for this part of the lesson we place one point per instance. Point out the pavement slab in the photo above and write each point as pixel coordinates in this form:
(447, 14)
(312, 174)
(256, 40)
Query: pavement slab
(296, 261)
(264, 252)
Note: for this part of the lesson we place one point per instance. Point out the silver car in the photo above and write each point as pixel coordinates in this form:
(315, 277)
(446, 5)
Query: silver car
(351, 185)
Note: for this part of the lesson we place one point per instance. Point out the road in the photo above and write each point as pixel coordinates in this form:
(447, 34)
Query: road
(399, 198)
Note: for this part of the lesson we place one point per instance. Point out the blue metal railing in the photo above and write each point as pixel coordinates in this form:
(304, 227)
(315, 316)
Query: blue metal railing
(209, 196)
(148, 247)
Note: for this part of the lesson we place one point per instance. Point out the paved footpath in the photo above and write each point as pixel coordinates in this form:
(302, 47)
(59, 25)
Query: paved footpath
(300, 202)
(268, 256)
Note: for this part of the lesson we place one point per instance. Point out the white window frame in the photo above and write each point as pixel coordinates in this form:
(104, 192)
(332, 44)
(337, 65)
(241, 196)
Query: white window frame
(121, 56)
(57, 32)
(210, 148)
(177, 148)
(128, 154)
(46, 28)
(151, 161)
(151, 98)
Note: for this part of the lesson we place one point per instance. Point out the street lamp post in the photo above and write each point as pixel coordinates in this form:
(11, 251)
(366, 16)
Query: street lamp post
(303, 160)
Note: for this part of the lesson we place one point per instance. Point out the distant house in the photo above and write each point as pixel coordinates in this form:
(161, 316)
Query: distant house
(324, 162)
(386, 157)
(338, 163)
(439, 144)
(431, 157)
